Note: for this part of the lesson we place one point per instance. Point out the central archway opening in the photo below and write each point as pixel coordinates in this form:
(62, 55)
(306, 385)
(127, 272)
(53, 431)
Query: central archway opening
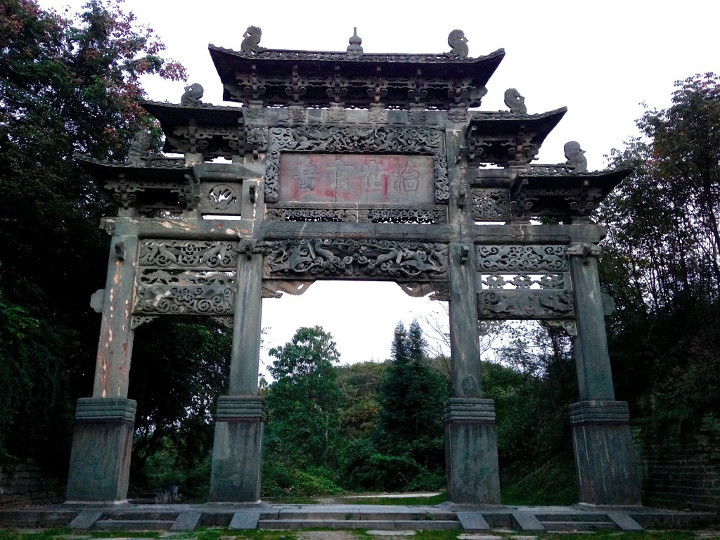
(357, 380)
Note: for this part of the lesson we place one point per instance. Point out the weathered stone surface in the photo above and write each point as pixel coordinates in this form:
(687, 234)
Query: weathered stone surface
(604, 453)
(471, 451)
(237, 450)
(100, 454)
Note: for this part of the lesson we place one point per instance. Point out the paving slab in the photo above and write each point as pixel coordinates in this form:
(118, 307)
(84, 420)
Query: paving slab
(391, 533)
(85, 520)
(472, 521)
(186, 521)
(479, 537)
(527, 521)
(625, 522)
(247, 519)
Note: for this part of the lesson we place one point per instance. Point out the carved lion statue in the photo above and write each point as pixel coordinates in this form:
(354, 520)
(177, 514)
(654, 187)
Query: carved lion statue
(458, 44)
(575, 155)
(251, 41)
(192, 95)
(515, 102)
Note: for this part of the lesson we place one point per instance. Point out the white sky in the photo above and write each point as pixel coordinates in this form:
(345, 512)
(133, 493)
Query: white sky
(600, 59)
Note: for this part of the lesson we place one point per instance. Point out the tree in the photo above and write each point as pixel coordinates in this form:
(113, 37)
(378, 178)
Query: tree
(303, 402)
(661, 260)
(66, 85)
(412, 399)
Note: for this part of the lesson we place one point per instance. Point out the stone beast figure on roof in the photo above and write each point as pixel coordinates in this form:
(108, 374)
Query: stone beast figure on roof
(458, 45)
(251, 42)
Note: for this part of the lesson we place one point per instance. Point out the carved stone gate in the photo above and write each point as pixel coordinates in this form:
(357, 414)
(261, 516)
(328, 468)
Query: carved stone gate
(345, 165)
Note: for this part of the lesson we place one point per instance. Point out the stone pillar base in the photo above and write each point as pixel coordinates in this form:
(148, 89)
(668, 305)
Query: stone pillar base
(604, 453)
(237, 450)
(101, 447)
(471, 451)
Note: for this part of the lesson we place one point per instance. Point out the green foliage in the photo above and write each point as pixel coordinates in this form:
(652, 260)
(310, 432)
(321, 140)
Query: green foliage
(412, 399)
(661, 260)
(302, 435)
(303, 402)
(66, 85)
(179, 369)
(34, 404)
(552, 483)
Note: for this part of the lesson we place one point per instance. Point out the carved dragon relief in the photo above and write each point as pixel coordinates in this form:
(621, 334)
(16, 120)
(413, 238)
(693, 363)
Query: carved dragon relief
(356, 259)
(365, 139)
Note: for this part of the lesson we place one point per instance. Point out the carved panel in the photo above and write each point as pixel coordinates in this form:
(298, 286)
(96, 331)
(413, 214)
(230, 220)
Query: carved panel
(220, 198)
(524, 281)
(304, 213)
(339, 213)
(490, 204)
(520, 258)
(359, 140)
(196, 254)
(434, 215)
(356, 259)
(528, 304)
(184, 293)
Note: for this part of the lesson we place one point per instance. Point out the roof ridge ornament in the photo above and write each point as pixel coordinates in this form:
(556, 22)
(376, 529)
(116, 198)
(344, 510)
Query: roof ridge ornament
(575, 155)
(192, 95)
(250, 45)
(355, 48)
(515, 102)
(458, 45)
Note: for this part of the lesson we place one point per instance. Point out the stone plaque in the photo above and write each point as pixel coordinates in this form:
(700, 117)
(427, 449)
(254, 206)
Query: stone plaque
(357, 178)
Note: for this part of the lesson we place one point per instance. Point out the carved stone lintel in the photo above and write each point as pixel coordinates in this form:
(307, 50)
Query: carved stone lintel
(357, 259)
(275, 288)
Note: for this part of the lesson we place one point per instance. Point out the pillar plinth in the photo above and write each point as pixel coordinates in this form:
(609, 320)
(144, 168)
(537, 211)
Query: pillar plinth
(604, 453)
(471, 451)
(101, 447)
(237, 449)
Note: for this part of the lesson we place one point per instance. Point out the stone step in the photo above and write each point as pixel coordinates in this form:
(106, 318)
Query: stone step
(133, 525)
(141, 515)
(361, 515)
(383, 525)
(573, 516)
(582, 526)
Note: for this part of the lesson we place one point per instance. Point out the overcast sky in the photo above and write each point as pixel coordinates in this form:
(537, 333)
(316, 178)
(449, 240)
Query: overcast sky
(600, 59)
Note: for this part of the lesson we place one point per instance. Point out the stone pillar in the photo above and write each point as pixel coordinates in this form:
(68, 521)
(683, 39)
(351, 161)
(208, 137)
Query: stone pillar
(470, 433)
(102, 438)
(604, 453)
(237, 450)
